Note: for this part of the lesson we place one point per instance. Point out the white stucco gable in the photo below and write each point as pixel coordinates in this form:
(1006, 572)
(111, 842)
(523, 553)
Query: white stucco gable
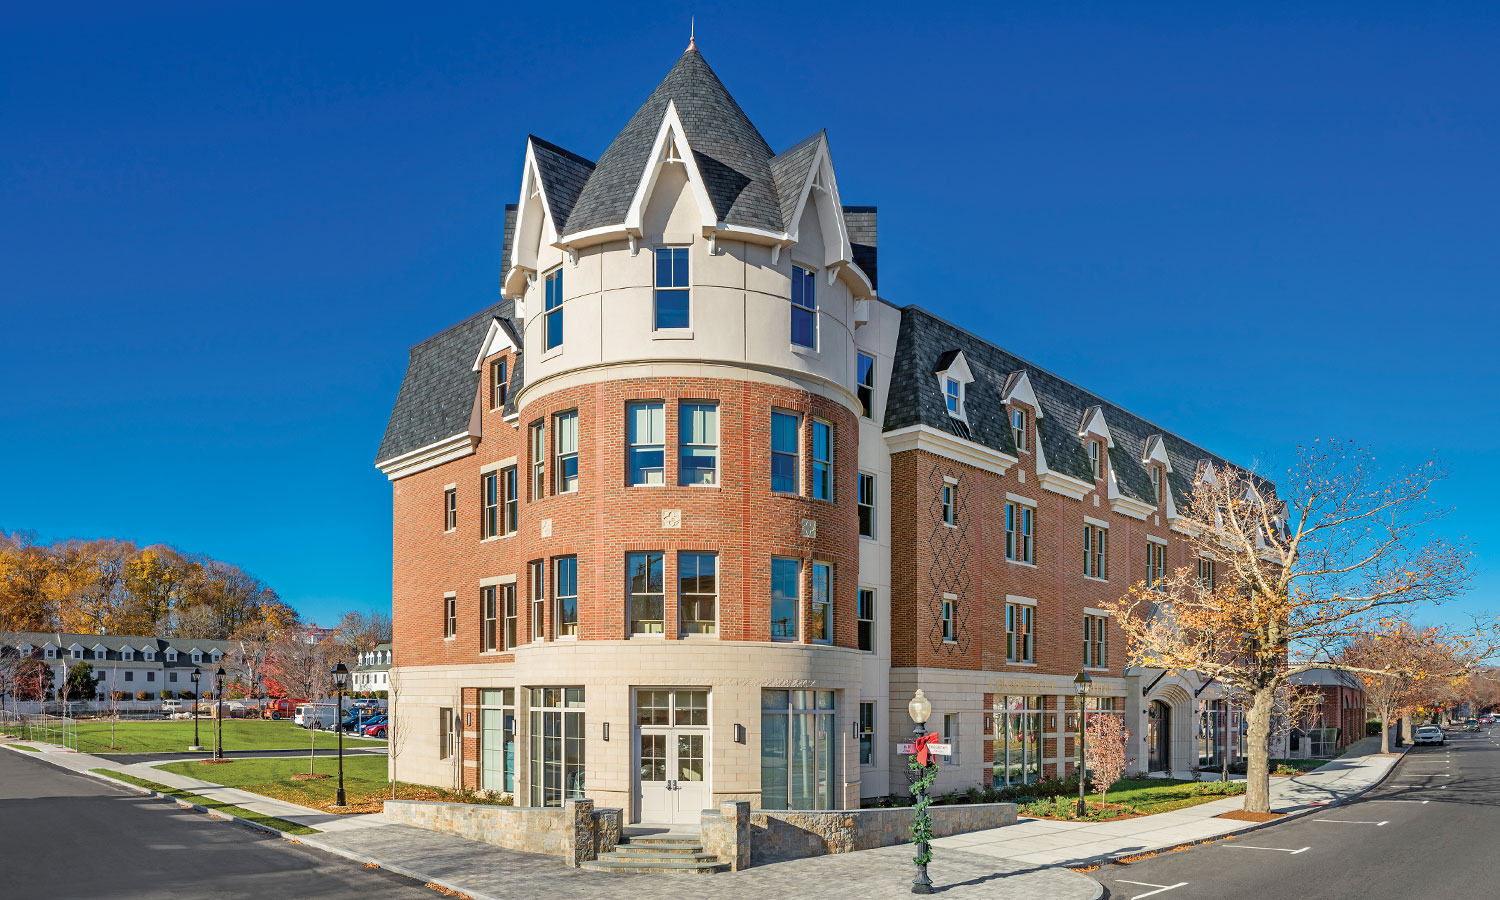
(671, 148)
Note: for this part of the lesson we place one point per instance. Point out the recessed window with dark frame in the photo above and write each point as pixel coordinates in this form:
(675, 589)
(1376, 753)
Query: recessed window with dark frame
(499, 384)
(646, 594)
(537, 585)
(489, 515)
(508, 602)
(1156, 564)
(1096, 464)
(1095, 642)
(866, 503)
(450, 615)
(785, 453)
(645, 439)
(1019, 624)
(697, 593)
(450, 509)
(511, 489)
(950, 618)
(864, 380)
(950, 504)
(552, 311)
(1018, 427)
(1096, 552)
(1019, 528)
(865, 613)
(698, 443)
(804, 308)
(565, 584)
(822, 460)
(673, 292)
(786, 575)
(538, 444)
(565, 429)
(1156, 492)
(866, 733)
(489, 620)
(1206, 573)
(820, 605)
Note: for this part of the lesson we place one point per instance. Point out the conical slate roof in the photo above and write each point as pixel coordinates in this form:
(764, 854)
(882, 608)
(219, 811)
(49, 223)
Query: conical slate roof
(730, 153)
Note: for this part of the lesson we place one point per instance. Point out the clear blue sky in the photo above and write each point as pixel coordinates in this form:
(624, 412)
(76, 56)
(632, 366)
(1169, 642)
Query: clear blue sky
(221, 226)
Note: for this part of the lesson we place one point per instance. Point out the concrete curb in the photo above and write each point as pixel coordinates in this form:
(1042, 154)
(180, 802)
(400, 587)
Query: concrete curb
(1107, 859)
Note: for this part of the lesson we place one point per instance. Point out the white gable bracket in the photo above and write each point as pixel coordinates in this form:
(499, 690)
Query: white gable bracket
(670, 148)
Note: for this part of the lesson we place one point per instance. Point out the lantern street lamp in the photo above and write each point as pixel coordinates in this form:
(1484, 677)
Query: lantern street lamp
(1083, 682)
(921, 777)
(340, 680)
(196, 674)
(219, 713)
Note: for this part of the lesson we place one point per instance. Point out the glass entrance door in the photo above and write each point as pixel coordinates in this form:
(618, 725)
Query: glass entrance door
(1159, 737)
(671, 748)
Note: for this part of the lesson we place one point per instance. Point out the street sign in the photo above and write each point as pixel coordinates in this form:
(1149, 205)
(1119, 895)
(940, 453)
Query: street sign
(935, 749)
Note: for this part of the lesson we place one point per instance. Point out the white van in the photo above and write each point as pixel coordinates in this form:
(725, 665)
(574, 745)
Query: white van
(316, 715)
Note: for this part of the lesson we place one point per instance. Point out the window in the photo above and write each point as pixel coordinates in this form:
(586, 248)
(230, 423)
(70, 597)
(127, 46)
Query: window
(697, 592)
(512, 510)
(445, 732)
(1206, 573)
(1156, 485)
(1094, 461)
(171, 676)
(171, 655)
(566, 426)
(864, 378)
(488, 620)
(645, 431)
(538, 590)
(672, 290)
(127, 655)
(76, 652)
(150, 676)
(538, 461)
(1018, 427)
(1156, 564)
(499, 384)
(489, 493)
(798, 749)
(784, 452)
(557, 742)
(450, 509)
(197, 657)
(552, 312)
(1019, 521)
(497, 739)
(866, 734)
(822, 460)
(1095, 552)
(129, 675)
(566, 586)
(1018, 632)
(865, 613)
(804, 308)
(820, 612)
(1018, 740)
(951, 735)
(866, 505)
(1095, 638)
(950, 612)
(698, 443)
(950, 511)
(646, 601)
(450, 616)
(953, 396)
(785, 576)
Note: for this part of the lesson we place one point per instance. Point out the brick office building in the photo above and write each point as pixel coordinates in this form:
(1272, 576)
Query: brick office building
(691, 512)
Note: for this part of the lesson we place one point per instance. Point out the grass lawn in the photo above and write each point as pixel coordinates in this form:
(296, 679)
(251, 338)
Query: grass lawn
(365, 784)
(168, 736)
(1139, 797)
(26, 747)
(226, 808)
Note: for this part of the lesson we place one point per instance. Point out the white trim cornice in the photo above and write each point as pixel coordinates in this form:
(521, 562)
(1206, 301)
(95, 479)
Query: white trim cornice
(424, 458)
(948, 446)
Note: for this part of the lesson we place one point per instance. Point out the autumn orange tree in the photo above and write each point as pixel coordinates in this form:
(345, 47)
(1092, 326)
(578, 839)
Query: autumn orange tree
(1404, 667)
(1334, 553)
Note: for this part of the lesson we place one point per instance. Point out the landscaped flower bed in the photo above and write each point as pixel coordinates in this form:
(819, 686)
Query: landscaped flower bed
(1134, 797)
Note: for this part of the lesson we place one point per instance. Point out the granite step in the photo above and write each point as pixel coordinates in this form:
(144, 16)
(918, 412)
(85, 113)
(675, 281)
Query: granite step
(657, 866)
(637, 853)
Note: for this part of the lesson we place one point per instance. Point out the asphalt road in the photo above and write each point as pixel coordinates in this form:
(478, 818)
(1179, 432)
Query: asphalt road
(1427, 831)
(64, 836)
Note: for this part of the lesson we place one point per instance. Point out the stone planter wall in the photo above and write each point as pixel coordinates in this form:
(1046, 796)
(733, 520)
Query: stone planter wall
(577, 832)
(777, 835)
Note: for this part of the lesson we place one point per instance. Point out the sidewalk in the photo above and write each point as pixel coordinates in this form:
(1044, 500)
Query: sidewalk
(1052, 843)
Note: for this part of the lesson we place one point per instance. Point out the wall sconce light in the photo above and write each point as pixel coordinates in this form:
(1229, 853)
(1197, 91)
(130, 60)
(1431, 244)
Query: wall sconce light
(468, 720)
(854, 729)
(606, 731)
(739, 734)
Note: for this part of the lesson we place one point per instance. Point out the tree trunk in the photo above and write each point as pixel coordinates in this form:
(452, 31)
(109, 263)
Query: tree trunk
(1385, 729)
(1258, 769)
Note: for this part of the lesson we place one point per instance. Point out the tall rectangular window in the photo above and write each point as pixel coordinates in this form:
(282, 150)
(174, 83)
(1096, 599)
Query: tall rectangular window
(1019, 522)
(445, 732)
(538, 588)
(698, 443)
(1018, 427)
(1018, 632)
(866, 505)
(499, 384)
(450, 615)
(820, 605)
(798, 749)
(538, 444)
(1101, 553)
(450, 509)
(497, 740)
(645, 586)
(1095, 458)
(645, 433)
(1095, 636)
(822, 460)
(565, 427)
(508, 598)
(950, 615)
(952, 396)
(552, 312)
(1206, 573)
(804, 308)
(565, 585)
(1088, 549)
(512, 506)
(865, 384)
(950, 505)
(784, 452)
(557, 742)
(488, 618)
(1156, 484)
(489, 493)
(697, 592)
(866, 733)
(951, 736)
(785, 576)
(1156, 564)
(866, 616)
(672, 289)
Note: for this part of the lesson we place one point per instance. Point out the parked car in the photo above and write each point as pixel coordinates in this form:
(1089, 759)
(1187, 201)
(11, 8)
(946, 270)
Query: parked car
(1429, 734)
(375, 727)
(1486, 720)
(1471, 725)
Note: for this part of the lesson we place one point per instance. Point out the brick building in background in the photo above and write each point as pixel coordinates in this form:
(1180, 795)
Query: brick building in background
(691, 512)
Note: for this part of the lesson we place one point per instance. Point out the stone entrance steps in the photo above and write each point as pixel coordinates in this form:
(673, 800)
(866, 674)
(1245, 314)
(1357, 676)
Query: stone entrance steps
(658, 854)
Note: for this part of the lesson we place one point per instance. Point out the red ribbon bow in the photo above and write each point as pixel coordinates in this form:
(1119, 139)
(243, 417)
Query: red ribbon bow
(924, 751)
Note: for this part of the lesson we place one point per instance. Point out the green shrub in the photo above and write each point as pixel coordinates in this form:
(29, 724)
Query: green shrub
(166, 695)
(143, 695)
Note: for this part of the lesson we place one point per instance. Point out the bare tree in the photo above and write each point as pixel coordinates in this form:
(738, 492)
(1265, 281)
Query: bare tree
(301, 668)
(1404, 666)
(358, 632)
(1296, 577)
(395, 729)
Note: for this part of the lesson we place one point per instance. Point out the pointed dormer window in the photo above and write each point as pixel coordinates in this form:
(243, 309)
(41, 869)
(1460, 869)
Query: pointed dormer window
(954, 378)
(1156, 484)
(953, 391)
(1018, 427)
(1095, 462)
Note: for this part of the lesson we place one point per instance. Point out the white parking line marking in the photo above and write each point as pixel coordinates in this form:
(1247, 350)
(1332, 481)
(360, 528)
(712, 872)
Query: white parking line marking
(1350, 822)
(1394, 800)
(1277, 849)
(1160, 888)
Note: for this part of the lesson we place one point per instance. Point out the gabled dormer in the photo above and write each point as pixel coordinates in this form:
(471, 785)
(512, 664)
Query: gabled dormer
(812, 209)
(171, 654)
(953, 380)
(148, 653)
(127, 653)
(551, 179)
(100, 651)
(75, 651)
(1159, 465)
(1021, 410)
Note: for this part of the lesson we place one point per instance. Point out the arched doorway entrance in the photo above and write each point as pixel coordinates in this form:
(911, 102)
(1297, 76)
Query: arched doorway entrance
(1159, 737)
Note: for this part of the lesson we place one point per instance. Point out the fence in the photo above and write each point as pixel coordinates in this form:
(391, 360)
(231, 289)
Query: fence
(60, 730)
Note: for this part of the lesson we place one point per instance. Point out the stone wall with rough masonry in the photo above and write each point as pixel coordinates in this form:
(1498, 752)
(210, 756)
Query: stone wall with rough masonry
(576, 832)
(779, 835)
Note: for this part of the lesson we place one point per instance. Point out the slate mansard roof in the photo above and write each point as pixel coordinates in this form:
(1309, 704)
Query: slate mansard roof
(927, 344)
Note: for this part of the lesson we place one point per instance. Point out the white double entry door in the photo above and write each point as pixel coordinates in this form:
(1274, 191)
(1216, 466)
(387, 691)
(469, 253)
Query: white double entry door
(671, 752)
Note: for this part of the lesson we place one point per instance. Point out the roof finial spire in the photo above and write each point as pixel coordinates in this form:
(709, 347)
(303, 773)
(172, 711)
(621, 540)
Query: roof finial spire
(692, 33)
